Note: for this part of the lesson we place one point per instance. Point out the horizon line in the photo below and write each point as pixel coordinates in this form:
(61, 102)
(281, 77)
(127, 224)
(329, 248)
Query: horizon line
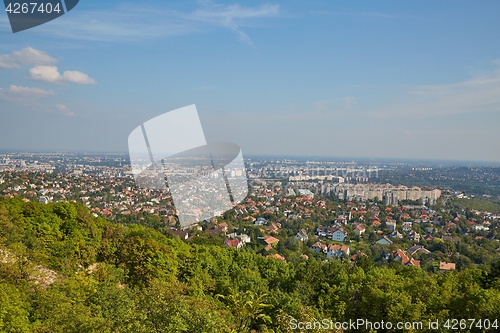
(274, 156)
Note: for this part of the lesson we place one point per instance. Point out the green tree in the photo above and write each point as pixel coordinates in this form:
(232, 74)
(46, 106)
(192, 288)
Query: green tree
(14, 309)
(248, 308)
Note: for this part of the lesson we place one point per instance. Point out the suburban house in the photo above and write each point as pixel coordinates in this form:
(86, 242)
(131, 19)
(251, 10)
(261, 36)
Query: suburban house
(391, 226)
(244, 238)
(178, 233)
(215, 230)
(400, 255)
(270, 240)
(407, 226)
(341, 220)
(336, 250)
(325, 231)
(384, 241)
(413, 262)
(446, 266)
(274, 228)
(234, 243)
(302, 235)
(414, 236)
(359, 230)
(260, 221)
(318, 247)
(339, 235)
(277, 256)
(417, 248)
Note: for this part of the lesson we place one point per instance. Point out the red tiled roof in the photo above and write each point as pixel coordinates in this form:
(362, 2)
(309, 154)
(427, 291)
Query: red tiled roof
(270, 240)
(445, 266)
(277, 256)
(232, 242)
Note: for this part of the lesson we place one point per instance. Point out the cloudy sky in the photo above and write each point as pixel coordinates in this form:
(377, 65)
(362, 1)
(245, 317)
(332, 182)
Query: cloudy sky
(378, 79)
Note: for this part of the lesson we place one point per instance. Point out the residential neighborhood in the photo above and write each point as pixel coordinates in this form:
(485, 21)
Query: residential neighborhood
(295, 218)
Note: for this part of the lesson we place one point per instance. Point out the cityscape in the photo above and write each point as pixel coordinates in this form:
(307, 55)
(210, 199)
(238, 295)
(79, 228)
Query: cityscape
(288, 200)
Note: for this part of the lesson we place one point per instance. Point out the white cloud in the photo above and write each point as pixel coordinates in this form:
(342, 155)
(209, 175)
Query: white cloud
(477, 94)
(25, 57)
(64, 110)
(24, 95)
(26, 91)
(338, 106)
(52, 75)
(135, 23)
(228, 15)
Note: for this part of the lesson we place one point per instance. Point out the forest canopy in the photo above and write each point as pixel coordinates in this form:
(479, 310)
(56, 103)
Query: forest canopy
(64, 270)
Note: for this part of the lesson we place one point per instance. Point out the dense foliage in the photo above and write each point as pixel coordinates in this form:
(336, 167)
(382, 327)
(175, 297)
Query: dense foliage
(64, 270)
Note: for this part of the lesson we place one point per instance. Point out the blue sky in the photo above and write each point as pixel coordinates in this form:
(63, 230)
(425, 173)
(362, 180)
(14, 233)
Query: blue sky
(320, 78)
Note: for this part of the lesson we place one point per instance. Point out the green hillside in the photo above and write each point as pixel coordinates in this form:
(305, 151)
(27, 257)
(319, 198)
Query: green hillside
(64, 270)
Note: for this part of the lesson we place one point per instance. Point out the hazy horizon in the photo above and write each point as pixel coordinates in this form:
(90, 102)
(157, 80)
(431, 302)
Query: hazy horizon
(299, 158)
